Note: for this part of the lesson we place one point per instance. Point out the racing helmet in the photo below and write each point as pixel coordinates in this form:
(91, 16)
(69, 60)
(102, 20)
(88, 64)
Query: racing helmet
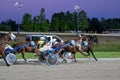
(42, 38)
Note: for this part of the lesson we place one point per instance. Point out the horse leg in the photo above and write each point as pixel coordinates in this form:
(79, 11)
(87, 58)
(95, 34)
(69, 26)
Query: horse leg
(90, 49)
(73, 54)
(83, 53)
(79, 49)
(88, 55)
(23, 56)
(88, 52)
(6, 62)
(3, 56)
(37, 53)
(93, 55)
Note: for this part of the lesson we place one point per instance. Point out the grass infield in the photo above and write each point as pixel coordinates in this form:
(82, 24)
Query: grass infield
(79, 55)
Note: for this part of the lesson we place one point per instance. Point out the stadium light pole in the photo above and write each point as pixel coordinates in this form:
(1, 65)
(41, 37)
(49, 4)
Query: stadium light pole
(18, 5)
(77, 9)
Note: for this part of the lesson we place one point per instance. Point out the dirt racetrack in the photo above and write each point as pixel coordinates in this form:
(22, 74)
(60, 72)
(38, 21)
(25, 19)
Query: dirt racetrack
(82, 70)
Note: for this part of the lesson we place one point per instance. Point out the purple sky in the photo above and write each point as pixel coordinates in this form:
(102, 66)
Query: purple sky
(94, 8)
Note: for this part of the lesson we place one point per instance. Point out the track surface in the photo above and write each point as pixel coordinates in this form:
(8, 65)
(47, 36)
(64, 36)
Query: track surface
(82, 70)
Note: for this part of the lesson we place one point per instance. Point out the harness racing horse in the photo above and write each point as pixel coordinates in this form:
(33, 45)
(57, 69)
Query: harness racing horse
(23, 47)
(76, 47)
(4, 39)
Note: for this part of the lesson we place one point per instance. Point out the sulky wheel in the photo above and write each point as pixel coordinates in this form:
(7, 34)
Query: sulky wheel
(52, 59)
(42, 59)
(11, 58)
(67, 56)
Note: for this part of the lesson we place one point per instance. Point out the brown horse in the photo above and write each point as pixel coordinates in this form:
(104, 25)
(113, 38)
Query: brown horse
(4, 39)
(23, 47)
(76, 48)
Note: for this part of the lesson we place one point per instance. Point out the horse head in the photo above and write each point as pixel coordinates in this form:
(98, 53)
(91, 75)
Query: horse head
(93, 39)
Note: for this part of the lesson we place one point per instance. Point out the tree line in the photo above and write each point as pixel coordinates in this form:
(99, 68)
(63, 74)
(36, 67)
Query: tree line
(61, 22)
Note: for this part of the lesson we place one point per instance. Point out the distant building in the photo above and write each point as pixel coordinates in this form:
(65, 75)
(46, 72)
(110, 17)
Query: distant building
(114, 31)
